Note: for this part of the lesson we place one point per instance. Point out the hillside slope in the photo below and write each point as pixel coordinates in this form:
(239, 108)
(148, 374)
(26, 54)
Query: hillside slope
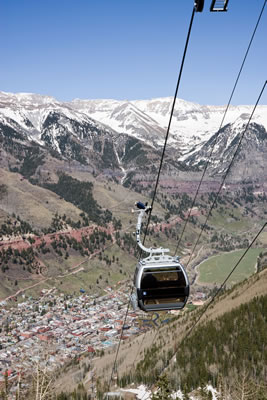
(237, 318)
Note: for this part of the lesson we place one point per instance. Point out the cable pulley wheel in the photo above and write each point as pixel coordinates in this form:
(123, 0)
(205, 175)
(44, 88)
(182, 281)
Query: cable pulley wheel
(199, 4)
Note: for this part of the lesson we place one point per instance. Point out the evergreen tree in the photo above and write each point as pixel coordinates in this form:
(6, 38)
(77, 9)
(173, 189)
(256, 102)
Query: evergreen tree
(163, 390)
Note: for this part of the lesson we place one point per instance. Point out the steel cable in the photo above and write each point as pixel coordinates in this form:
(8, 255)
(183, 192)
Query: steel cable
(214, 296)
(226, 173)
(214, 202)
(221, 124)
(159, 171)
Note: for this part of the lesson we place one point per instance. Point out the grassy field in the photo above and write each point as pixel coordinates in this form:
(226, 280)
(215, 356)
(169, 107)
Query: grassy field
(215, 269)
(120, 201)
(263, 237)
(33, 203)
(226, 222)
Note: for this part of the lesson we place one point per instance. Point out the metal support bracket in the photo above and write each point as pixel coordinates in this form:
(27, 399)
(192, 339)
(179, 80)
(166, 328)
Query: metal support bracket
(150, 250)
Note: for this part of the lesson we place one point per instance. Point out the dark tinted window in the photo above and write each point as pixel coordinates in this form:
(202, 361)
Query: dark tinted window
(162, 278)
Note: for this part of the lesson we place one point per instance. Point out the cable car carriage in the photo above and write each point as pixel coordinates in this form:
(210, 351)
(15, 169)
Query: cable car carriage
(160, 280)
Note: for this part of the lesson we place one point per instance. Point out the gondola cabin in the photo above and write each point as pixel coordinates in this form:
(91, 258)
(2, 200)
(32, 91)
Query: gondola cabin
(161, 283)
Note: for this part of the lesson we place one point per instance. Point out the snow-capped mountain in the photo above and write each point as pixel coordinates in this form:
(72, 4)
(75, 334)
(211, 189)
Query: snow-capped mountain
(147, 120)
(192, 124)
(245, 144)
(34, 128)
(30, 111)
(123, 117)
(126, 136)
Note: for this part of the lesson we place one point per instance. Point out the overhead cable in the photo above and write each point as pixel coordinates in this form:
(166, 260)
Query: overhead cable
(216, 294)
(221, 124)
(170, 119)
(159, 170)
(226, 279)
(251, 244)
(226, 173)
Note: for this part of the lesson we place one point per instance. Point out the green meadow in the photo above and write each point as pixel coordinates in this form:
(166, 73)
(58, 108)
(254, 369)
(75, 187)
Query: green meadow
(215, 269)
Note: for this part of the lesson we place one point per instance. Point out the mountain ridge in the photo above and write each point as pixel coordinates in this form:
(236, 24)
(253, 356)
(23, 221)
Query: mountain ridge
(123, 140)
(145, 119)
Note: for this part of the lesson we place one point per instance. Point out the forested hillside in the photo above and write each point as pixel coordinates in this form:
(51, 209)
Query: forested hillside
(227, 350)
(226, 347)
(79, 194)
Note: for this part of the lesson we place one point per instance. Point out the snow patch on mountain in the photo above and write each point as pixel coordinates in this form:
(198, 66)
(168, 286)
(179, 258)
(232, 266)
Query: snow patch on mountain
(123, 117)
(194, 123)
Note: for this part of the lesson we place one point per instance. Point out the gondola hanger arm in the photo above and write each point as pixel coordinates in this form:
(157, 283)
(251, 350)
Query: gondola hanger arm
(143, 209)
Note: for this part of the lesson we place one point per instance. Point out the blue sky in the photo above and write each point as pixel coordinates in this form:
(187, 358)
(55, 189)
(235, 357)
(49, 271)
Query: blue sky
(126, 49)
